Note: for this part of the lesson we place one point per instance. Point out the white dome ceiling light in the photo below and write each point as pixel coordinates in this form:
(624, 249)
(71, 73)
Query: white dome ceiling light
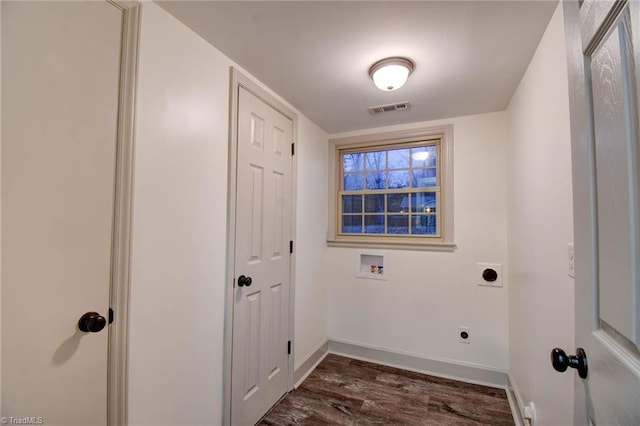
(391, 73)
(420, 155)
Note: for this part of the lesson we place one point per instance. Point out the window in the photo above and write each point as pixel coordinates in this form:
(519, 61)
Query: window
(393, 190)
(390, 190)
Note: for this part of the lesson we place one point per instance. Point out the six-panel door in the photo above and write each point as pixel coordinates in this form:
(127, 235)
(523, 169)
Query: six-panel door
(263, 229)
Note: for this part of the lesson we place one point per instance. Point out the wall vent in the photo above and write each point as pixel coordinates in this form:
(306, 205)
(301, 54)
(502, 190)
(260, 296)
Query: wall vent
(378, 109)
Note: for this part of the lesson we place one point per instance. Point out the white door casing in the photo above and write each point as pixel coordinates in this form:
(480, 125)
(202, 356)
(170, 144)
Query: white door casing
(263, 215)
(603, 53)
(68, 83)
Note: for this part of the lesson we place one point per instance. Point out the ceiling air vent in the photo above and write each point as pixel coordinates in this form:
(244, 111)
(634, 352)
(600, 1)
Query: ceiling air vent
(400, 106)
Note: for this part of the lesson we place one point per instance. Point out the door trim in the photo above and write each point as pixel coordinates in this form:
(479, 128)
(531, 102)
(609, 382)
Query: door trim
(583, 159)
(118, 357)
(237, 80)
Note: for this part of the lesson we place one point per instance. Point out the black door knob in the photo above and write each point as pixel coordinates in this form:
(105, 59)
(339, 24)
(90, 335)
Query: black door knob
(244, 281)
(91, 322)
(561, 361)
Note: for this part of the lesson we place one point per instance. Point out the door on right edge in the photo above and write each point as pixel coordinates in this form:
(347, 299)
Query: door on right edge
(602, 49)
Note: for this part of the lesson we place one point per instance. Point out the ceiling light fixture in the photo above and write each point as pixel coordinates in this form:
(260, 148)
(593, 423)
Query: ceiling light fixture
(420, 155)
(391, 73)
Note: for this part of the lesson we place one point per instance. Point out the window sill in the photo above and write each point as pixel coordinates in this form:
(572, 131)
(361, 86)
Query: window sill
(407, 245)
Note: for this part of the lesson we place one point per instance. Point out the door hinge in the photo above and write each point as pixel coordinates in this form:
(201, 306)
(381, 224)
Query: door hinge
(293, 149)
(290, 247)
(289, 347)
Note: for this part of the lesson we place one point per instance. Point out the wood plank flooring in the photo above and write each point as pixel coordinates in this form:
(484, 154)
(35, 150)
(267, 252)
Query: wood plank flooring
(345, 391)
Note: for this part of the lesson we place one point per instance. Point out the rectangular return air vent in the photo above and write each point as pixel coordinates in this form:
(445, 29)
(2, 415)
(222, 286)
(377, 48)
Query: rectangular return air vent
(400, 106)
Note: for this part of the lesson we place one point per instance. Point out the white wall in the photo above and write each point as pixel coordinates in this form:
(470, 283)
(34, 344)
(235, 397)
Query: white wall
(541, 304)
(178, 260)
(179, 247)
(311, 290)
(428, 295)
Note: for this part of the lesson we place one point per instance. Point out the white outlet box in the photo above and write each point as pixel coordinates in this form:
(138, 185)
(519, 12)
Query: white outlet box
(481, 267)
(462, 330)
(571, 259)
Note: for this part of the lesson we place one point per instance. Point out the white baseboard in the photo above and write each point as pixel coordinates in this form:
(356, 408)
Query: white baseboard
(310, 364)
(449, 370)
(310, 354)
(515, 401)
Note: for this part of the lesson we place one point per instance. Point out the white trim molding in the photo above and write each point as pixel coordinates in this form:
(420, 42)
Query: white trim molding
(515, 401)
(445, 242)
(310, 364)
(237, 80)
(118, 362)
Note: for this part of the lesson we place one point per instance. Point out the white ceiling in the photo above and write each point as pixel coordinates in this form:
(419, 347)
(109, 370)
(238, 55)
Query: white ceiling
(469, 55)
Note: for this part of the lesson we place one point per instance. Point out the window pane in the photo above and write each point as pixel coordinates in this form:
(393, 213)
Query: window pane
(399, 159)
(423, 178)
(424, 156)
(376, 160)
(374, 203)
(353, 162)
(423, 224)
(398, 202)
(351, 224)
(352, 204)
(423, 202)
(376, 180)
(399, 179)
(374, 224)
(398, 224)
(393, 190)
(353, 182)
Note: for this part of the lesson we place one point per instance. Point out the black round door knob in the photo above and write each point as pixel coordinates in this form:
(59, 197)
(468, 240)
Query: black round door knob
(91, 322)
(561, 361)
(244, 281)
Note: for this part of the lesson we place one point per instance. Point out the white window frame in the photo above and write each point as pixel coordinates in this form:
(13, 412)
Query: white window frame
(443, 242)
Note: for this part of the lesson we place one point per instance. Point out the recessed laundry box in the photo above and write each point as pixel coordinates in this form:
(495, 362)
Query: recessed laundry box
(371, 265)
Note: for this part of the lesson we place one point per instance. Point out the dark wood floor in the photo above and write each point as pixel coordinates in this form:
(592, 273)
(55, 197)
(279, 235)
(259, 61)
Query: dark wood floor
(345, 391)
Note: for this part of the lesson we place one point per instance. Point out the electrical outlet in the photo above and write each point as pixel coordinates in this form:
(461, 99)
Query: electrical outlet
(530, 413)
(464, 334)
(572, 260)
(489, 274)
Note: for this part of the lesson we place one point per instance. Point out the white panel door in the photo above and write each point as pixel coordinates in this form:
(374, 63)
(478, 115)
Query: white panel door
(262, 260)
(603, 60)
(60, 84)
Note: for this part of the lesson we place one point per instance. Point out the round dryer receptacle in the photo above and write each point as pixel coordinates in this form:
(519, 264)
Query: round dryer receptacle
(489, 275)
